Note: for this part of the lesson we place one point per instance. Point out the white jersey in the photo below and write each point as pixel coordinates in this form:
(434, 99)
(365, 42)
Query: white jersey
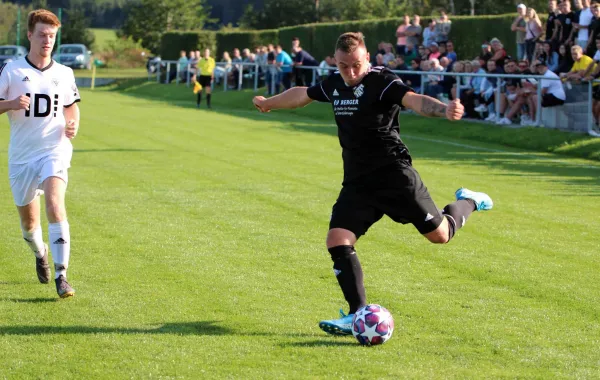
(39, 131)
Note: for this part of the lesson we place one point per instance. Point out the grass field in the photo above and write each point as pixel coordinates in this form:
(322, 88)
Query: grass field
(198, 252)
(103, 37)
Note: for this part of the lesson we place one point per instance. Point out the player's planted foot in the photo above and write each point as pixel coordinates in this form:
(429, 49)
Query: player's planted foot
(63, 288)
(43, 268)
(342, 326)
(482, 200)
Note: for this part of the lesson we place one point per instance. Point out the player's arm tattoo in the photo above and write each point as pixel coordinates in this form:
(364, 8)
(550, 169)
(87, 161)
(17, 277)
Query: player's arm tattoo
(432, 107)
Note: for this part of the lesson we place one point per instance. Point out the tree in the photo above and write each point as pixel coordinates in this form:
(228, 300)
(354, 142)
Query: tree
(148, 20)
(75, 28)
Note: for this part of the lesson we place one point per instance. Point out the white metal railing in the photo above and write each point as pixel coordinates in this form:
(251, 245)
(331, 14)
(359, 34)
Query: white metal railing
(271, 75)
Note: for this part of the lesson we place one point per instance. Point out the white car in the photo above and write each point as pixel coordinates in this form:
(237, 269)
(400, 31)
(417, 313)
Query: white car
(74, 56)
(11, 52)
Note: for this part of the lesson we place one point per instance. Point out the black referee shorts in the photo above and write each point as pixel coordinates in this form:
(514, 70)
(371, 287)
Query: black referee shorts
(205, 80)
(395, 191)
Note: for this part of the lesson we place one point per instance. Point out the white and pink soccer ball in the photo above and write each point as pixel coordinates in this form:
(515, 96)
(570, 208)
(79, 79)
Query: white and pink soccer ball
(372, 325)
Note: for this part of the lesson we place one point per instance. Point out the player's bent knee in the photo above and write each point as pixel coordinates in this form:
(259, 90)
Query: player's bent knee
(441, 235)
(340, 236)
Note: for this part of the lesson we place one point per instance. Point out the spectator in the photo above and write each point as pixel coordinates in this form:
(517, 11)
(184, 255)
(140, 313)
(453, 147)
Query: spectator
(414, 80)
(487, 91)
(434, 82)
(324, 67)
(272, 73)
(499, 52)
(182, 65)
(533, 33)
(458, 67)
(553, 93)
(399, 64)
(510, 103)
(442, 49)
(236, 70)
(583, 24)
(413, 34)
(593, 74)
(284, 63)
(303, 58)
(551, 57)
(564, 23)
(581, 64)
(519, 27)
(443, 26)
(423, 54)
(222, 71)
(594, 30)
(411, 52)
(193, 62)
(551, 28)
(379, 60)
(471, 95)
(430, 33)
(486, 54)
(447, 80)
(450, 53)
(389, 56)
(401, 35)
(434, 49)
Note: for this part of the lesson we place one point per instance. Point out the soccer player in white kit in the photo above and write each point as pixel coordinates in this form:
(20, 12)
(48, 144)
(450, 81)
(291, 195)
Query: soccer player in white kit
(40, 96)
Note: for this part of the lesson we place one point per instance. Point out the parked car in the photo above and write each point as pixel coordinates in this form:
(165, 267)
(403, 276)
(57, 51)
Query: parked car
(75, 56)
(11, 52)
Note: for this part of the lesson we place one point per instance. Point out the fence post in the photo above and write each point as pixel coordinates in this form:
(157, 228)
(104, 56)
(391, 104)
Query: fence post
(538, 106)
(273, 73)
(497, 97)
(225, 79)
(168, 72)
(458, 83)
(314, 80)
(255, 77)
(187, 75)
(158, 72)
(590, 123)
(422, 89)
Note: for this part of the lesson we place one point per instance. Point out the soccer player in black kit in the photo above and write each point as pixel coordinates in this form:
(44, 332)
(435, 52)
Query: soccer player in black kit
(378, 175)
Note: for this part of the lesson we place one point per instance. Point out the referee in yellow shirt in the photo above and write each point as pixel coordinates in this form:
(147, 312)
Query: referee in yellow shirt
(206, 67)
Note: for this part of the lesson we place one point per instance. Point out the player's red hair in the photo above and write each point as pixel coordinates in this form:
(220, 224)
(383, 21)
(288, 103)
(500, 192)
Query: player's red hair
(41, 16)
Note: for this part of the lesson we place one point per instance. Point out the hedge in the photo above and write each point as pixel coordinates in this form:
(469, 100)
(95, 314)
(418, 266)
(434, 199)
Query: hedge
(467, 33)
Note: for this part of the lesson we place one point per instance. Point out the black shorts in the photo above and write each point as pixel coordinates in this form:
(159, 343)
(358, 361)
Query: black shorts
(205, 80)
(395, 191)
(549, 100)
(596, 92)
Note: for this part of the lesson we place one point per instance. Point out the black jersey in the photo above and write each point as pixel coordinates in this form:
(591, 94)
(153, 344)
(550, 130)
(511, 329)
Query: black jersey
(367, 120)
(550, 25)
(566, 23)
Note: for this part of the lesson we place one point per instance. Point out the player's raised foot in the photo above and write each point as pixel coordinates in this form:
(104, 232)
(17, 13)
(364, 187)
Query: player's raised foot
(43, 268)
(341, 326)
(63, 288)
(482, 200)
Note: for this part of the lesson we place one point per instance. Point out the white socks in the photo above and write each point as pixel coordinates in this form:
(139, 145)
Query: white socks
(60, 245)
(35, 241)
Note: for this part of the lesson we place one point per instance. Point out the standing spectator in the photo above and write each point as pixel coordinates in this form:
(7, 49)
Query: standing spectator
(594, 30)
(401, 36)
(519, 27)
(434, 49)
(533, 33)
(272, 72)
(430, 33)
(284, 63)
(583, 24)
(593, 74)
(261, 59)
(206, 68)
(564, 23)
(581, 64)
(551, 28)
(303, 58)
(413, 34)
(443, 26)
(499, 52)
(182, 66)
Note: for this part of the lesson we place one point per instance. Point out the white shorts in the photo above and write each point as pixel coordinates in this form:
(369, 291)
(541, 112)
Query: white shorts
(26, 179)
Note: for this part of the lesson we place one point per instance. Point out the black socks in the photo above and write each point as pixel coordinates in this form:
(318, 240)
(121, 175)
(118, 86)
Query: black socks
(457, 214)
(349, 274)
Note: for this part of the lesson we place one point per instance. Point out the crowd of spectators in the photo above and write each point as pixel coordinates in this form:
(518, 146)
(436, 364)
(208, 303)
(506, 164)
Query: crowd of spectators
(561, 51)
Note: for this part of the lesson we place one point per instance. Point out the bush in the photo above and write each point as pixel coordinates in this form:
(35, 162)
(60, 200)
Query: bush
(227, 41)
(123, 53)
(173, 43)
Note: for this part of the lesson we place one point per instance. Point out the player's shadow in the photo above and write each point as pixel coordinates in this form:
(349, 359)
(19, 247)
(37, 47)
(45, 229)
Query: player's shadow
(30, 300)
(178, 328)
(115, 150)
(335, 342)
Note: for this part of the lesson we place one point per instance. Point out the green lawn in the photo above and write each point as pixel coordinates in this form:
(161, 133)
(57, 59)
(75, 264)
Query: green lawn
(198, 252)
(103, 37)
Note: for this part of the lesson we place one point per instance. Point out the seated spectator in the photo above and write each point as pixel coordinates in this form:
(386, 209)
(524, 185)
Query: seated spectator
(236, 70)
(488, 92)
(470, 96)
(222, 71)
(553, 93)
(551, 57)
(414, 80)
(510, 102)
(450, 53)
(523, 66)
(434, 82)
(486, 54)
(411, 52)
(389, 56)
(447, 80)
(430, 33)
(398, 64)
(581, 63)
(324, 67)
(458, 67)
(193, 62)
(379, 60)
(434, 49)
(499, 52)
(565, 60)
(423, 53)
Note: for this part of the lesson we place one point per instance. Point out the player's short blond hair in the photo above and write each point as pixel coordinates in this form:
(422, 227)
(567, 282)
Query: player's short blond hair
(349, 42)
(41, 16)
(576, 49)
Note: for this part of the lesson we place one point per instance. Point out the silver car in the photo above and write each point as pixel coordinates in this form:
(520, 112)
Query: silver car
(75, 56)
(11, 52)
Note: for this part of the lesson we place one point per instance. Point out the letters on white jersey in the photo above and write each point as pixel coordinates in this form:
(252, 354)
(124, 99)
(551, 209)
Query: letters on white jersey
(36, 132)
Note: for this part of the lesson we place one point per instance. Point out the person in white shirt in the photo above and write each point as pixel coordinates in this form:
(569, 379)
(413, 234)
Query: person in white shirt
(553, 93)
(40, 95)
(585, 19)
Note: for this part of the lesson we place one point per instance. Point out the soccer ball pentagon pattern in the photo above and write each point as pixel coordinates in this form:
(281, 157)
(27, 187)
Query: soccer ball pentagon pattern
(372, 325)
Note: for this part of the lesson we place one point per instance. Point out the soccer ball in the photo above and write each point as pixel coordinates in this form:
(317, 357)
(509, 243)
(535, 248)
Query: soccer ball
(372, 325)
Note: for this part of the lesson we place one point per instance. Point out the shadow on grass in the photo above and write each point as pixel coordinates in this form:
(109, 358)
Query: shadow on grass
(30, 300)
(334, 342)
(184, 328)
(115, 150)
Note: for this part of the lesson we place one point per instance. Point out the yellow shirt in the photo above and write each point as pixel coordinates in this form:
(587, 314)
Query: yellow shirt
(206, 66)
(582, 64)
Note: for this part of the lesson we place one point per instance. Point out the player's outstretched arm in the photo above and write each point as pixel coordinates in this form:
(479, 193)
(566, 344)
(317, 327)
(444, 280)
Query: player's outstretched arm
(295, 97)
(72, 118)
(20, 103)
(431, 107)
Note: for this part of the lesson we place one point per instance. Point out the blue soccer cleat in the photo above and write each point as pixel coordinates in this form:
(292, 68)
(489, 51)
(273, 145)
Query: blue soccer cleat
(342, 326)
(482, 200)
